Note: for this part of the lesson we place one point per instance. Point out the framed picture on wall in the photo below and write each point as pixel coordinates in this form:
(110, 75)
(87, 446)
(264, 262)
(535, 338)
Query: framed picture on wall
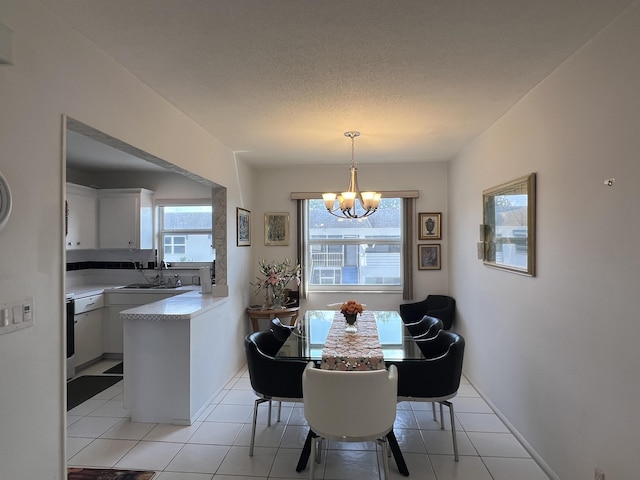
(429, 226)
(276, 228)
(243, 224)
(429, 257)
(509, 223)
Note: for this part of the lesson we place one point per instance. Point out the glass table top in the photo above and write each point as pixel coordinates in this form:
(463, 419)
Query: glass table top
(310, 333)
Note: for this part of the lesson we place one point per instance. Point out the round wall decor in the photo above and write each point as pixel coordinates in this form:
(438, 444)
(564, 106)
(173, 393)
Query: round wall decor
(5, 202)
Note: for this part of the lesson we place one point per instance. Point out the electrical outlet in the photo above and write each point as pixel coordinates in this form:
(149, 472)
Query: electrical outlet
(599, 475)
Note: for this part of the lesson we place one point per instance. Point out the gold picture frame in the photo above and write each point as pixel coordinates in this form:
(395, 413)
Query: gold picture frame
(243, 227)
(509, 224)
(429, 257)
(430, 226)
(276, 228)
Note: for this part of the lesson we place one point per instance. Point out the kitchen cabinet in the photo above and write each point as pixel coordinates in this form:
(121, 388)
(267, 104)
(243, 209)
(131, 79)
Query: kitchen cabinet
(88, 327)
(81, 217)
(125, 218)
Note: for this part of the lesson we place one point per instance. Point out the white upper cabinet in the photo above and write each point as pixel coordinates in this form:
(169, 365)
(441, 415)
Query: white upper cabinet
(82, 210)
(125, 217)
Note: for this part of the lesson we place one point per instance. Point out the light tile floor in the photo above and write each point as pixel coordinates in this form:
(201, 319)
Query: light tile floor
(216, 446)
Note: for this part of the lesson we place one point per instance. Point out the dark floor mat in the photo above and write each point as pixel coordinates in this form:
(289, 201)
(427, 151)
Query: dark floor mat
(115, 369)
(83, 388)
(83, 473)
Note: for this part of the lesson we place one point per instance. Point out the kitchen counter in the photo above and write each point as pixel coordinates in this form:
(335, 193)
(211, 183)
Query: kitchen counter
(98, 288)
(87, 290)
(179, 307)
(171, 350)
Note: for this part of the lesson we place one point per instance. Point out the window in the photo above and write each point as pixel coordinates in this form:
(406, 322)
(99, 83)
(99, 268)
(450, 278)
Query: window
(175, 244)
(185, 234)
(363, 254)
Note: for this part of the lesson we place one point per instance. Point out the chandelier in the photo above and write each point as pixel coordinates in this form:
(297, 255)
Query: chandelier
(346, 205)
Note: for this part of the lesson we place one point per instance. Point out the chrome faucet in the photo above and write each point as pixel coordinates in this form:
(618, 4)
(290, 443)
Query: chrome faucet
(160, 277)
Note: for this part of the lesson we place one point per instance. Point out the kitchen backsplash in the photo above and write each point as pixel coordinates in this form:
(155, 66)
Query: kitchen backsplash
(119, 266)
(72, 266)
(108, 259)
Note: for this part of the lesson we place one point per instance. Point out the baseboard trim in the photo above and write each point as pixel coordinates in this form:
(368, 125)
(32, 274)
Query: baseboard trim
(530, 450)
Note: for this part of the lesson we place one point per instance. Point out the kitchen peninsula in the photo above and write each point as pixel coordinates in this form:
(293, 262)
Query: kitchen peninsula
(170, 358)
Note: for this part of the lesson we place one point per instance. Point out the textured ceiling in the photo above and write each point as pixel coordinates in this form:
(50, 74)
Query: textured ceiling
(280, 81)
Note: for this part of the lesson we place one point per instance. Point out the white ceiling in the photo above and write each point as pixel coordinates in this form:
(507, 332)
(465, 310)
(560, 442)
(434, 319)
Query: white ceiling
(280, 81)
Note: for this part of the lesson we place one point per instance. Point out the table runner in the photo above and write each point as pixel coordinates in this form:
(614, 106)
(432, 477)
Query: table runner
(353, 351)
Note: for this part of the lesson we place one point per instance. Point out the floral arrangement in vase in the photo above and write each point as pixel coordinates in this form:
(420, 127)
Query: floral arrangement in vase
(274, 280)
(350, 309)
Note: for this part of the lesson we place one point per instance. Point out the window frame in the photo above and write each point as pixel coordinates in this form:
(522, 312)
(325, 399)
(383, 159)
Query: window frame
(354, 288)
(161, 232)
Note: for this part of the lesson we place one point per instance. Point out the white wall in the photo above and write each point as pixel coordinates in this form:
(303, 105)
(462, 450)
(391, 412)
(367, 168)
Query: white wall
(558, 354)
(58, 72)
(273, 186)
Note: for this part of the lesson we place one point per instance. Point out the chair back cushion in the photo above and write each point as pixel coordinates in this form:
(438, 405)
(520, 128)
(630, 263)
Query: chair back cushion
(350, 404)
(438, 375)
(439, 306)
(271, 376)
(267, 342)
(280, 331)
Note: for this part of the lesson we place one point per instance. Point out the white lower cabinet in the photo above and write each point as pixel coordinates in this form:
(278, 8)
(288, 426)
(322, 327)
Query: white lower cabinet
(88, 335)
(88, 322)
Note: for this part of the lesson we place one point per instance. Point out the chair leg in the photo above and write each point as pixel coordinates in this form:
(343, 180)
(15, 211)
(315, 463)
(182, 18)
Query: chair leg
(433, 407)
(255, 420)
(279, 410)
(319, 452)
(269, 419)
(453, 429)
(312, 458)
(385, 457)
(441, 418)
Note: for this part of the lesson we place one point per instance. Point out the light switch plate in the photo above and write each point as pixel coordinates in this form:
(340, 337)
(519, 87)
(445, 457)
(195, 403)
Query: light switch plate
(16, 315)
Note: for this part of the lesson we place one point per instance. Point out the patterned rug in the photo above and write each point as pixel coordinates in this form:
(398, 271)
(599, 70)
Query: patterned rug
(74, 473)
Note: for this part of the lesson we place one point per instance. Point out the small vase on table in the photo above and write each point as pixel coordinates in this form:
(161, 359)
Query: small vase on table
(351, 318)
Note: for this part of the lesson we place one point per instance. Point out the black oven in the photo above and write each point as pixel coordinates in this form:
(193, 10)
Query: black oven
(71, 350)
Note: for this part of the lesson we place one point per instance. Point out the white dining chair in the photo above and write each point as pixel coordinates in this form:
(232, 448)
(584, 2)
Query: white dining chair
(349, 406)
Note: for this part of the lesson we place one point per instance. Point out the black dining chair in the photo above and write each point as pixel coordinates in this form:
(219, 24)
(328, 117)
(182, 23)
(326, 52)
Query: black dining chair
(426, 327)
(280, 330)
(439, 306)
(436, 378)
(272, 378)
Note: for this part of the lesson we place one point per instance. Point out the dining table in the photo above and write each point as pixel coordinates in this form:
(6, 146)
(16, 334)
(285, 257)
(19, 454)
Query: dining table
(320, 336)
